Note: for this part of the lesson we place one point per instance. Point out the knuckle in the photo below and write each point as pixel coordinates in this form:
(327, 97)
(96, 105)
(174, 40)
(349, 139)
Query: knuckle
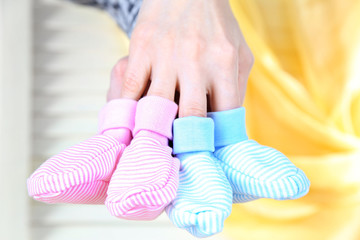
(167, 44)
(248, 58)
(166, 35)
(138, 44)
(143, 31)
(194, 110)
(160, 93)
(227, 52)
(226, 55)
(194, 48)
(141, 36)
(226, 83)
(119, 69)
(131, 83)
(251, 60)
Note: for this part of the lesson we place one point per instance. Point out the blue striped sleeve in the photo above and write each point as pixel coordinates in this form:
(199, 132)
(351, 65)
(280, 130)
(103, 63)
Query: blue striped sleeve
(124, 12)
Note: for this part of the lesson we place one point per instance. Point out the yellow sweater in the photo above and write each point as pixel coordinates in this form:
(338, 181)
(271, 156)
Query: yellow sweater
(303, 98)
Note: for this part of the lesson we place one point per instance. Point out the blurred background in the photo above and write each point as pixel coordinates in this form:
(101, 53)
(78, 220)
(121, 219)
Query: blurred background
(56, 63)
(303, 98)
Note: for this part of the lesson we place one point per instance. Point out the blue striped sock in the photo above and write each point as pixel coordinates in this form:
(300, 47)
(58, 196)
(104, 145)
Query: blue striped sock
(204, 196)
(254, 171)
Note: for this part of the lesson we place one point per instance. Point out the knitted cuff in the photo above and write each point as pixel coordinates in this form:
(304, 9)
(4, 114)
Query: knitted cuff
(155, 114)
(116, 114)
(229, 126)
(193, 134)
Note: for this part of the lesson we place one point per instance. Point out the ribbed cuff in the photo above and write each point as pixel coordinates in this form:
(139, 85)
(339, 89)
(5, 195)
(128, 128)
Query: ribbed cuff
(193, 134)
(116, 114)
(155, 114)
(229, 126)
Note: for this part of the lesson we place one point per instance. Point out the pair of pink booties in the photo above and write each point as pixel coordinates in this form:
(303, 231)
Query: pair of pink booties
(128, 165)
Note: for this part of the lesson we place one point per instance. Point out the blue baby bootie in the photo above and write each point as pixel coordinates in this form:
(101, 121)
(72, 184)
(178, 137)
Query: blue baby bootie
(204, 196)
(253, 170)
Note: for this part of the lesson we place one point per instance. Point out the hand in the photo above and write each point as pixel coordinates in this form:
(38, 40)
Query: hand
(194, 47)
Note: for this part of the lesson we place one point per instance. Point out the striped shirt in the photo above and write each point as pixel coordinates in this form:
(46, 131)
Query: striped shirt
(125, 12)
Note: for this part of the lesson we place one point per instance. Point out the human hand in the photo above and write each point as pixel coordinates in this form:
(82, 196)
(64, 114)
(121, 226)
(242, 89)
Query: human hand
(194, 47)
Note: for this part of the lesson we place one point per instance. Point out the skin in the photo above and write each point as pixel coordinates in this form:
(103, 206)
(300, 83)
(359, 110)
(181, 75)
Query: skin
(192, 47)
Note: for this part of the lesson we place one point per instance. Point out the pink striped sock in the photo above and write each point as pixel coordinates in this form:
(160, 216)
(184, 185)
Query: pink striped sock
(146, 178)
(81, 173)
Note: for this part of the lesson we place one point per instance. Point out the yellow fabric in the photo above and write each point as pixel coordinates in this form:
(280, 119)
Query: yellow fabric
(303, 98)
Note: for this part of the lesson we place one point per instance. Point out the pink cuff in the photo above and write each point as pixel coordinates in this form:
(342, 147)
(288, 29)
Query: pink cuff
(117, 117)
(155, 114)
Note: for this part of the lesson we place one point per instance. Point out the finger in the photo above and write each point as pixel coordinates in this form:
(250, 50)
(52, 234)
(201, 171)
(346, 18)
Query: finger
(136, 76)
(116, 79)
(224, 95)
(246, 62)
(192, 95)
(163, 80)
(225, 91)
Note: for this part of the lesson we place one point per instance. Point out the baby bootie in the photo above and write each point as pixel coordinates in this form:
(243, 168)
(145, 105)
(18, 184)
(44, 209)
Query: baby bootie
(146, 178)
(204, 197)
(254, 171)
(81, 173)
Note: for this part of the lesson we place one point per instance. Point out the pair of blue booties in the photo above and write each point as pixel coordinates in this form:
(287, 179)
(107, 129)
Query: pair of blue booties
(221, 166)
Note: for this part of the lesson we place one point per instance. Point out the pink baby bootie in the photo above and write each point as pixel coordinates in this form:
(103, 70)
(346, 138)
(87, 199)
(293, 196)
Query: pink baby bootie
(146, 178)
(81, 173)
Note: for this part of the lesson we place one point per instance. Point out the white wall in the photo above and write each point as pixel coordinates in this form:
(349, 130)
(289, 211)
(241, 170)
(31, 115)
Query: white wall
(15, 108)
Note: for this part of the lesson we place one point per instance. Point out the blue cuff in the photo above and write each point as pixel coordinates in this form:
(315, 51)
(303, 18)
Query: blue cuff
(229, 126)
(193, 134)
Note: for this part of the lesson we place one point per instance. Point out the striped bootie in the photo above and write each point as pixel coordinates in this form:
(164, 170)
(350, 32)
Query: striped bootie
(254, 171)
(81, 174)
(204, 197)
(146, 178)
